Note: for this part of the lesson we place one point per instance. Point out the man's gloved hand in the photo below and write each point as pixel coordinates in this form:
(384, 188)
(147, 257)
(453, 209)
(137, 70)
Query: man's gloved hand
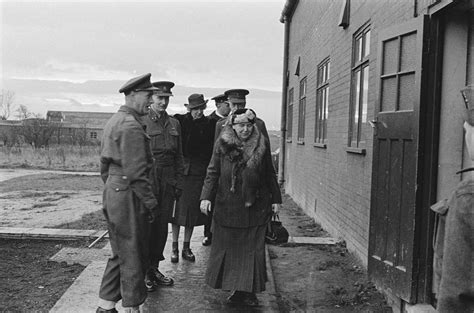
(177, 193)
(152, 215)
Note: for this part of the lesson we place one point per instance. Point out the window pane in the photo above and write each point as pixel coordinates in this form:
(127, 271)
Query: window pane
(355, 109)
(390, 57)
(408, 55)
(326, 113)
(389, 94)
(327, 72)
(359, 49)
(407, 92)
(365, 91)
(367, 43)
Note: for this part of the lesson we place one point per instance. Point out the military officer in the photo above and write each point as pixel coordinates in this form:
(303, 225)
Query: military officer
(237, 100)
(129, 202)
(221, 112)
(167, 176)
(455, 252)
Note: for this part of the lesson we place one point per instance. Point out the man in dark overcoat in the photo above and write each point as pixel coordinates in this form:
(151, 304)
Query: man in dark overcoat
(197, 150)
(236, 99)
(167, 176)
(129, 202)
(221, 112)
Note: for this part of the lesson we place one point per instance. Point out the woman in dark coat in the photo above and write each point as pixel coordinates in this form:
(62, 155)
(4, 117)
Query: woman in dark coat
(242, 180)
(198, 140)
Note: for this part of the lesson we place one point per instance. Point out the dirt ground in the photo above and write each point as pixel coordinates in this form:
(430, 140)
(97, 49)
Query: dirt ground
(308, 278)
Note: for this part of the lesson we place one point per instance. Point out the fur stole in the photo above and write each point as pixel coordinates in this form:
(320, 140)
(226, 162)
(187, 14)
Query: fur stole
(246, 158)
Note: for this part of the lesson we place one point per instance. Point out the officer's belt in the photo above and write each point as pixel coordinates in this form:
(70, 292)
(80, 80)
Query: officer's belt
(164, 162)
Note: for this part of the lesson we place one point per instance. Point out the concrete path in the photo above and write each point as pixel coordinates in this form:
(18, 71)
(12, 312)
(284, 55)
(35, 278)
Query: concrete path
(189, 293)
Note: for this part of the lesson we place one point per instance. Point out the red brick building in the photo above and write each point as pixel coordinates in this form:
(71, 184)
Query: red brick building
(372, 126)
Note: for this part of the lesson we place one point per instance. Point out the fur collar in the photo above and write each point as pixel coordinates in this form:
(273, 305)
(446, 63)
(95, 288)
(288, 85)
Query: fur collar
(249, 153)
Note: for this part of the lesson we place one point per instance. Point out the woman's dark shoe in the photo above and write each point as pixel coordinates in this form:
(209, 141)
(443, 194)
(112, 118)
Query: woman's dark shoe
(235, 298)
(174, 256)
(187, 254)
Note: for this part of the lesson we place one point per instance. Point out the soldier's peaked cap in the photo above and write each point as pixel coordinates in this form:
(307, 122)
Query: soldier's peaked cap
(139, 83)
(164, 88)
(220, 98)
(236, 95)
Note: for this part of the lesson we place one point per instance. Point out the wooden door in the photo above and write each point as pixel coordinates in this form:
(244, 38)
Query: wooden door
(396, 170)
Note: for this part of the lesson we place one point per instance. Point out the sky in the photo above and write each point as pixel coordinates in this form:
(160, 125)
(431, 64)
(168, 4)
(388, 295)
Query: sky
(208, 45)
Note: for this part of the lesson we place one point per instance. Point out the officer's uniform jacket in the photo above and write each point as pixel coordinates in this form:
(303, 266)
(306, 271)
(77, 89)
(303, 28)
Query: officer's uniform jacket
(166, 147)
(126, 153)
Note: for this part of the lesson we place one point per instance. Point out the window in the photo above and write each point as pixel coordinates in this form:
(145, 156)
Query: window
(360, 88)
(302, 110)
(93, 135)
(322, 97)
(289, 116)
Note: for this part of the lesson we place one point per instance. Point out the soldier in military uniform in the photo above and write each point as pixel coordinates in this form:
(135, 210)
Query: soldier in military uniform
(454, 247)
(129, 202)
(236, 99)
(221, 112)
(167, 176)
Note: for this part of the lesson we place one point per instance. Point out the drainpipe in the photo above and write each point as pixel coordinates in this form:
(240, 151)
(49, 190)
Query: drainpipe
(285, 18)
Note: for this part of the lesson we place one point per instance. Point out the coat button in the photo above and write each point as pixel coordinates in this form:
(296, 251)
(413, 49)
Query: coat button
(124, 177)
(117, 189)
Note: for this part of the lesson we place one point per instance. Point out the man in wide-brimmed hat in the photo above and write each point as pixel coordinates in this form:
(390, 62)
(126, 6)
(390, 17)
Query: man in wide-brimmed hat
(167, 176)
(198, 140)
(125, 163)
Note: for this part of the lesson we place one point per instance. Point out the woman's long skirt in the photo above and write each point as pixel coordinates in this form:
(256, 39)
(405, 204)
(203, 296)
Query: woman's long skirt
(187, 211)
(237, 260)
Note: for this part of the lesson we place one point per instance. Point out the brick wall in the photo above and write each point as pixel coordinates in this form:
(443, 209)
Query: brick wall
(333, 185)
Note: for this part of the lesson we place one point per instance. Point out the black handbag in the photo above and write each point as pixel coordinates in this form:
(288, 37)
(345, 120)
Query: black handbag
(276, 233)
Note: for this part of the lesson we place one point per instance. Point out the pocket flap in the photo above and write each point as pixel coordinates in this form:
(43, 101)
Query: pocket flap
(118, 185)
(155, 132)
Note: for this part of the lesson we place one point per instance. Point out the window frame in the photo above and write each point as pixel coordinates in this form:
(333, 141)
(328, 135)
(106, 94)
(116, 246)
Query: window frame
(360, 73)
(322, 103)
(303, 88)
(93, 135)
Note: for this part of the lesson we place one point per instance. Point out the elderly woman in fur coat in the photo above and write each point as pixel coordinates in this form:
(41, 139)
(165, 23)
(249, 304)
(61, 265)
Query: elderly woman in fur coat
(242, 180)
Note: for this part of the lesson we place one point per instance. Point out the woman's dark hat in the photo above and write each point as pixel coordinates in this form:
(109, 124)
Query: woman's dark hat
(243, 116)
(196, 100)
(164, 88)
(139, 83)
(236, 95)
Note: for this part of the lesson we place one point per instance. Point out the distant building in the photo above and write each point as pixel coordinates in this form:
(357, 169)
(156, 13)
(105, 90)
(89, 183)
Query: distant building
(70, 127)
(373, 127)
(78, 126)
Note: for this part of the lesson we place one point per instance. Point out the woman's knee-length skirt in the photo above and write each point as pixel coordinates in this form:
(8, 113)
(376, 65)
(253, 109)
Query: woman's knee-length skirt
(187, 211)
(237, 260)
